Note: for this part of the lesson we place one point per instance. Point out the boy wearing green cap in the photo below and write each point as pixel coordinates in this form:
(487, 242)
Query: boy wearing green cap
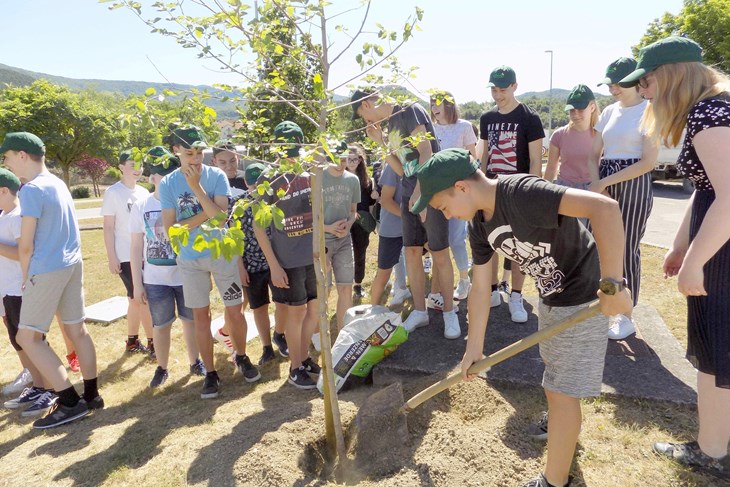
(191, 195)
(49, 251)
(155, 275)
(535, 223)
(119, 198)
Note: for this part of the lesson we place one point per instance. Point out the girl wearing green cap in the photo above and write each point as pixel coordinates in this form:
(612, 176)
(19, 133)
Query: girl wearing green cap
(686, 94)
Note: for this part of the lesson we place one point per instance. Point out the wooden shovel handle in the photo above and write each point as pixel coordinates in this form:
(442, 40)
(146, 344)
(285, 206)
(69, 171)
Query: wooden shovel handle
(519, 346)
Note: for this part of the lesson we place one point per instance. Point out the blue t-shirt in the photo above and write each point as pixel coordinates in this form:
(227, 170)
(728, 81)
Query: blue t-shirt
(175, 193)
(57, 242)
(390, 224)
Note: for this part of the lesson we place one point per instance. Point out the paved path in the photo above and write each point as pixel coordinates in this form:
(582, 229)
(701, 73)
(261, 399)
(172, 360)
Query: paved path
(670, 202)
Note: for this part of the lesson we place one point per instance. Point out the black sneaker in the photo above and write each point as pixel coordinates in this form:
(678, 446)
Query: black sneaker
(198, 368)
(358, 292)
(26, 398)
(279, 340)
(151, 349)
(311, 366)
(96, 403)
(503, 287)
(210, 386)
(539, 430)
(61, 414)
(245, 367)
(268, 355)
(136, 347)
(300, 378)
(159, 378)
(691, 455)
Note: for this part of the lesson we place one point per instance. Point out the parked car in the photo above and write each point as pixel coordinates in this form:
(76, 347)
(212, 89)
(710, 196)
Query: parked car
(666, 167)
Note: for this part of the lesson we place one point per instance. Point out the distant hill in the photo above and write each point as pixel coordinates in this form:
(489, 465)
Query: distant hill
(22, 77)
(558, 94)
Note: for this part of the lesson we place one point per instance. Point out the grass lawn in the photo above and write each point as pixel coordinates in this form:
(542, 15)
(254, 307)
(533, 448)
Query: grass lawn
(258, 434)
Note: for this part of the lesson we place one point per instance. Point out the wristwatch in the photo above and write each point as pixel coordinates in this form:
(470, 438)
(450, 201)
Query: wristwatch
(612, 286)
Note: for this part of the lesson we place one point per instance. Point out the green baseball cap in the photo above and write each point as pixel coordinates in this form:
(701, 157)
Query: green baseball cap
(673, 49)
(252, 173)
(579, 98)
(9, 180)
(23, 141)
(223, 145)
(356, 100)
(290, 132)
(190, 137)
(124, 156)
(161, 161)
(502, 77)
(440, 172)
(617, 70)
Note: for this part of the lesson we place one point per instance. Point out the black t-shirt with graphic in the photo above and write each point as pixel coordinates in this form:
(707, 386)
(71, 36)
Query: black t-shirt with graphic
(555, 250)
(508, 136)
(404, 121)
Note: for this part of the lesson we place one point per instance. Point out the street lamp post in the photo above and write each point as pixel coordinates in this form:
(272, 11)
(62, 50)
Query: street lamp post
(550, 106)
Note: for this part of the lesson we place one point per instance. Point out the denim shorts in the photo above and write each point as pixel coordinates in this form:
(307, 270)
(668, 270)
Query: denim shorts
(162, 300)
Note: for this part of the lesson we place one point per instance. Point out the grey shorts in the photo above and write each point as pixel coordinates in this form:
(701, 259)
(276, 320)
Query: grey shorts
(196, 273)
(573, 359)
(61, 290)
(341, 260)
(435, 230)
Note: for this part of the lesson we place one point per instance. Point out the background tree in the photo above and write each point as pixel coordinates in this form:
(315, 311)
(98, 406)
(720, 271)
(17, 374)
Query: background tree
(705, 21)
(70, 124)
(93, 168)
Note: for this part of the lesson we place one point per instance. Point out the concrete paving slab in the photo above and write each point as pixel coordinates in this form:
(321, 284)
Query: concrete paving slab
(649, 365)
(108, 310)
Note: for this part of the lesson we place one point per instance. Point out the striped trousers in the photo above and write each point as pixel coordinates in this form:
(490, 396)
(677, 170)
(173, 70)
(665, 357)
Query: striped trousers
(635, 199)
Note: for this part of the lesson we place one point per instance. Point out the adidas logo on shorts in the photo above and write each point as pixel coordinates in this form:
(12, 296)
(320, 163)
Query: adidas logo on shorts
(234, 292)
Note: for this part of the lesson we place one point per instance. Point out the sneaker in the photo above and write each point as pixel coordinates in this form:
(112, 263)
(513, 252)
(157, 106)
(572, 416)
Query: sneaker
(620, 327)
(311, 366)
(539, 430)
(427, 264)
(503, 287)
(452, 330)
(28, 396)
(136, 347)
(151, 349)
(300, 379)
(159, 378)
(462, 289)
(198, 368)
(42, 405)
(61, 414)
(358, 292)
(18, 384)
(399, 296)
(96, 403)
(73, 362)
(316, 342)
(435, 301)
(416, 319)
(541, 481)
(279, 340)
(517, 308)
(496, 299)
(690, 454)
(210, 386)
(268, 355)
(247, 369)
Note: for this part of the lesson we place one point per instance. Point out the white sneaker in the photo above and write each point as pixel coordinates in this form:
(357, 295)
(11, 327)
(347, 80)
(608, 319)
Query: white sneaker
(18, 384)
(316, 343)
(496, 299)
(427, 264)
(620, 327)
(435, 301)
(452, 330)
(516, 308)
(416, 319)
(399, 296)
(462, 289)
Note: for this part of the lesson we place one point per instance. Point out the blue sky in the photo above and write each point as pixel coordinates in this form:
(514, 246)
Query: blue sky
(461, 41)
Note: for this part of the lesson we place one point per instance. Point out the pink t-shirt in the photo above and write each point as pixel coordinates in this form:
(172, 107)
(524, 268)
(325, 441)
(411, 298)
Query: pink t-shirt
(575, 147)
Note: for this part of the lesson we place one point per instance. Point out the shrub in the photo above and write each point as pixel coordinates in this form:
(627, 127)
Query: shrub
(148, 186)
(80, 192)
(113, 174)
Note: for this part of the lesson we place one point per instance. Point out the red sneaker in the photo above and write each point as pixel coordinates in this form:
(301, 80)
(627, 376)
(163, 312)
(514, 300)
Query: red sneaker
(73, 362)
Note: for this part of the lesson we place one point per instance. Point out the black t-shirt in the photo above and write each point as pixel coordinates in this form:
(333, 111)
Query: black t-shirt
(555, 250)
(404, 121)
(508, 137)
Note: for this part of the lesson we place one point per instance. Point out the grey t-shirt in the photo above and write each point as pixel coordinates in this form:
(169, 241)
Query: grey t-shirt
(555, 250)
(404, 121)
(292, 244)
(338, 196)
(390, 224)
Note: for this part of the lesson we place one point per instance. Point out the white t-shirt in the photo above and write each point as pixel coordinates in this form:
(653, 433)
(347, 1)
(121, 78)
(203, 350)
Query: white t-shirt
(118, 202)
(619, 127)
(159, 265)
(456, 135)
(11, 277)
